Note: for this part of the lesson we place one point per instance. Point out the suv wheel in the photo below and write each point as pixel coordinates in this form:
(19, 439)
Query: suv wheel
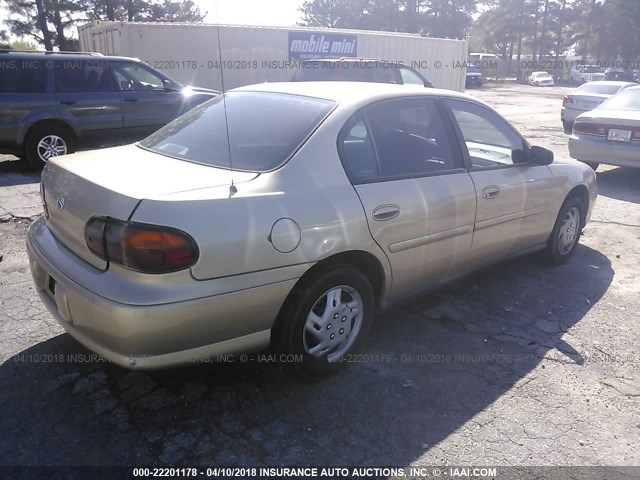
(46, 142)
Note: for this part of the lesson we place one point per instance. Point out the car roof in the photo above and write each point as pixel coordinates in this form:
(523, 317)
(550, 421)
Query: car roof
(615, 83)
(43, 55)
(347, 93)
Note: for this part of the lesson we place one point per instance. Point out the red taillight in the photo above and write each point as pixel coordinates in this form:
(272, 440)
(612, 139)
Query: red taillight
(94, 236)
(602, 129)
(590, 128)
(139, 246)
(567, 99)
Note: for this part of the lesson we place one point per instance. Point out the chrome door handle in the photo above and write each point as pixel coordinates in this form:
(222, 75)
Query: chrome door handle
(490, 192)
(386, 212)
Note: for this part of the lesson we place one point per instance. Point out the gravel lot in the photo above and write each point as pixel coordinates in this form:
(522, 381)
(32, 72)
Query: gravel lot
(521, 364)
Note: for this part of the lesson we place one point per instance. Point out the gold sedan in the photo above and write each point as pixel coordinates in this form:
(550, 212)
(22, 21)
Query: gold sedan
(288, 214)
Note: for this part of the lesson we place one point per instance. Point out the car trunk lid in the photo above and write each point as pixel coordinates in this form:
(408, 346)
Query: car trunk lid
(111, 182)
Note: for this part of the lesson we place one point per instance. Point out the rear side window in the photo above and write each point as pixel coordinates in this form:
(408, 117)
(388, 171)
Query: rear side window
(357, 152)
(23, 76)
(264, 130)
(77, 76)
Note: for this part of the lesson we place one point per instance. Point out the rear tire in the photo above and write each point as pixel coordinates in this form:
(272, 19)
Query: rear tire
(325, 318)
(566, 232)
(48, 141)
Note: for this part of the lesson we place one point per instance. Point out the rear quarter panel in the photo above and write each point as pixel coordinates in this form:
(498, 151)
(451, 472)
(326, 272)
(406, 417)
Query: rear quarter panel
(19, 111)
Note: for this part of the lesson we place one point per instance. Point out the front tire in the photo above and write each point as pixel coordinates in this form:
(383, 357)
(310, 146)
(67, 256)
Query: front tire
(326, 318)
(567, 231)
(46, 142)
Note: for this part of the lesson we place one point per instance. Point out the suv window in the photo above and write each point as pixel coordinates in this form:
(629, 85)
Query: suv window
(83, 76)
(409, 138)
(135, 76)
(490, 140)
(410, 77)
(23, 76)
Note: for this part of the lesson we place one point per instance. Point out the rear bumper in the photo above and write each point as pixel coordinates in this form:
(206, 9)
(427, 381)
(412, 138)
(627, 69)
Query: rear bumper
(569, 114)
(141, 337)
(590, 148)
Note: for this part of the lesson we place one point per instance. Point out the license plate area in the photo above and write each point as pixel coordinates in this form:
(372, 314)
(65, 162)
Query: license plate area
(619, 135)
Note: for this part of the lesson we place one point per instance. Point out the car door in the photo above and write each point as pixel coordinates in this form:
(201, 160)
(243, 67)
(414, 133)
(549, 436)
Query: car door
(86, 97)
(513, 196)
(418, 198)
(147, 103)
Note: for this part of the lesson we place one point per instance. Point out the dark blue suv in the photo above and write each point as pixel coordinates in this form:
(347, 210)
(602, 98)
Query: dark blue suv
(52, 103)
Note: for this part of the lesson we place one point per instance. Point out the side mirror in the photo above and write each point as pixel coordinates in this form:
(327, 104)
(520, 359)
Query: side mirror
(540, 156)
(169, 86)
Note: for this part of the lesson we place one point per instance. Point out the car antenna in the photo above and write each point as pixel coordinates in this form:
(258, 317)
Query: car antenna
(232, 188)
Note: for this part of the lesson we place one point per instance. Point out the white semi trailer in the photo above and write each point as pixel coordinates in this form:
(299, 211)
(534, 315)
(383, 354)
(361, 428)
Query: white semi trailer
(228, 56)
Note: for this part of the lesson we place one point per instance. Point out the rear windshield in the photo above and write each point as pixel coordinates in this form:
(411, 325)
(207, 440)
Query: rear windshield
(625, 100)
(264, 130)
(592, 69)
(601, 89)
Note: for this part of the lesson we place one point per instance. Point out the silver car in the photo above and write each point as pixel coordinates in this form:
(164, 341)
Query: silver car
(587, 97)
(609, 134)
(288, 214)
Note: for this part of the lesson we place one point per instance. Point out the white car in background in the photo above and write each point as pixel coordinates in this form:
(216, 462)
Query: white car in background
(586, 73)
(541, 79)
(610, 133)
(587, 97)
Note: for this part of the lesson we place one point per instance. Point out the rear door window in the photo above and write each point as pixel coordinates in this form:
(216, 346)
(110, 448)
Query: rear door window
(409, 138)
(23, 76)
(77, 76)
